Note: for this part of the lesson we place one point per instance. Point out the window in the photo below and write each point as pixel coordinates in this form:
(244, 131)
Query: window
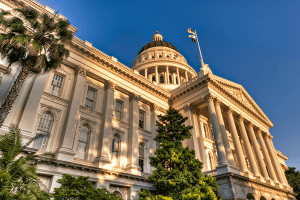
(161, 79)
(153, 78)
(56, 84)
(117, 194)
(43, 131)
(176, 79)
(206, 131)
(141, 156)
(210, 161)
(170, 78)
(82, 142)
(90, 98)
(115, 149)
(118, 110)
(141, 119)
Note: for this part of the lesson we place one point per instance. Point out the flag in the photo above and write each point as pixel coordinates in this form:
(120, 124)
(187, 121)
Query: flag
(193, 38)
(191, 32)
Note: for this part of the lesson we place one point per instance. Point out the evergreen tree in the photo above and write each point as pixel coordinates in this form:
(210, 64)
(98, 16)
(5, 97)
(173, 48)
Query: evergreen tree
(293, 178)
(178, 173)
(80, 188)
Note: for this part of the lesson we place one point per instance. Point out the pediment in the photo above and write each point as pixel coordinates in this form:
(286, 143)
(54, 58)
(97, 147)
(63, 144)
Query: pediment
(238, 92)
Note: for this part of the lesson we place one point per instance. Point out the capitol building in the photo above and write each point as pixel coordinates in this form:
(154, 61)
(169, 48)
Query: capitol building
(98, 118)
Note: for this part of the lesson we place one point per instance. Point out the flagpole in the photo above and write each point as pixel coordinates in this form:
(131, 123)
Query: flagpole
(202, 63)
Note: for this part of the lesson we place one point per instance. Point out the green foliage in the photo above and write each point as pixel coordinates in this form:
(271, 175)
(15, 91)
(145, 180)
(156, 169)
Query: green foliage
(80, 188)
(18, 176)
(293, 178)
(178, 173)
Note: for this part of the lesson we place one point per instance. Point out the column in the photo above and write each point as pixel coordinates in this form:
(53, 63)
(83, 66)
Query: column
(248, 149)
(178, 76)
(274, 158)
(66, 152)
(216, 129)
(224, 134)
(26, 123)
(201, 143)
(266, 156)
(156, 74)
(193, 141)
(146, 73)
(168, 77)
(257, 151)
(133, 143)
(103, 157)
(236, 141)
(186, 76)
(154, 118)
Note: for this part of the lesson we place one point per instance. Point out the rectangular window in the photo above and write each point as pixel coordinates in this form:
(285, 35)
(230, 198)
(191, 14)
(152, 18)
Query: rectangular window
(141, 119)
(90, 98)
(118, 110)
(56, 84)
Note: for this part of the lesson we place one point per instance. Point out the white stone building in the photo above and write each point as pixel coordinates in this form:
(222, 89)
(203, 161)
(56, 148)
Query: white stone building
(97, 116)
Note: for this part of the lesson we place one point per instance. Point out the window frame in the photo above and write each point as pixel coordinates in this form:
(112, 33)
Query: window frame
(118, 152)
(121, 110)
(43, 132)
(95, 97)
(144, 118)
(142, 157)
(61, 86)
(85, 157)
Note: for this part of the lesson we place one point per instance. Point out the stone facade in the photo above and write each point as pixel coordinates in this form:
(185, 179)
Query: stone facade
(97, 116)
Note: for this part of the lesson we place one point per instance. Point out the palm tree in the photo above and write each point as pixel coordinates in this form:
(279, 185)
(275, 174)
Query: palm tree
(34, 43)
(18, 176)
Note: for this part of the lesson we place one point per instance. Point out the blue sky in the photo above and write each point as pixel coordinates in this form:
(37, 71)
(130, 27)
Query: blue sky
(253, 43)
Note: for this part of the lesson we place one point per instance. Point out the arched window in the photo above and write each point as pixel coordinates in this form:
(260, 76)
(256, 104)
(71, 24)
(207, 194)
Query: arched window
(153, 78)
(117, 194)
(176, 79)
(43, 131)
(262, 198)
(161, 79)
(141, 156)
(170, 77)
(82, 142)
(210, 161)
(250, 197)
(115, 149)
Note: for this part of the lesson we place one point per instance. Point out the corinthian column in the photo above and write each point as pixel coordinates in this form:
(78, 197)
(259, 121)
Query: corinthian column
(216, 129)
(274, 158)
(266, 156)
(133, 143)
(156, 74)
(66, 152)
(248, 149)
(236, 141)
(223, 132)
(103, 157)
(259, 157)
(167, 72)
(178, 76)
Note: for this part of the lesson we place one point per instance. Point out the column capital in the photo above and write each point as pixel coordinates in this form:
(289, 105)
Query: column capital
(229, 109)
(134, 97)
(250, 125)
(217, 101)
(188, 107)
(81, 71)
(154, 107)
(241, 117)
(110, 85)
(209, 97)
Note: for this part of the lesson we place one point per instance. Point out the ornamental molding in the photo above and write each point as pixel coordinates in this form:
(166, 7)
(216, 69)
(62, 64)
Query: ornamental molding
(55, 99)
(134, 97)
(81, 71)
(90, 112)
(110, 85)
(154, 107)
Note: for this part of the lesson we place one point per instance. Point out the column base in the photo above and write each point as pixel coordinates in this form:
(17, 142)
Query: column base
(103, 162)
(224, 168)
(133, 169)
(65, 154)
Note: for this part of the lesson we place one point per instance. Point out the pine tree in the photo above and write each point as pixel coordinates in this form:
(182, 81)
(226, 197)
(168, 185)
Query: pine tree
(178, 173)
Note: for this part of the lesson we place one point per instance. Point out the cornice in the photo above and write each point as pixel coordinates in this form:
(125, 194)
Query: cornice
(94, 55)
(55, 99)
(240, 103)
(89, 111)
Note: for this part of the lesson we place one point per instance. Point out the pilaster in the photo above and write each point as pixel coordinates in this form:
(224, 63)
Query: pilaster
(103, 159)
(66, 152)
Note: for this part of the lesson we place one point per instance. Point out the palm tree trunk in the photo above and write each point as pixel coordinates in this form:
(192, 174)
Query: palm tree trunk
(13, 94)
